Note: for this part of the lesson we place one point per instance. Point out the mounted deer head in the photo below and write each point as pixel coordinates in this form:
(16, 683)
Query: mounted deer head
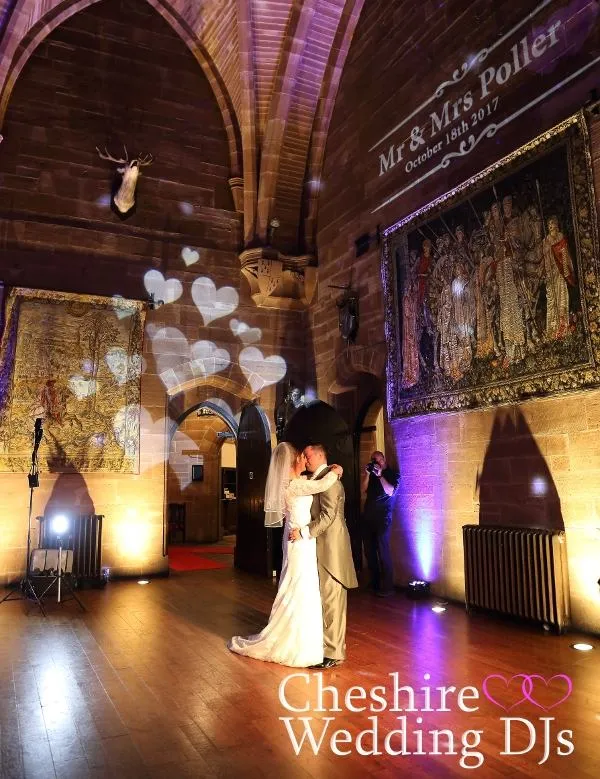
(124, 197)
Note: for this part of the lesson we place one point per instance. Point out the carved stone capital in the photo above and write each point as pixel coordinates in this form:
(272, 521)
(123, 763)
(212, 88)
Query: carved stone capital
(278, 280)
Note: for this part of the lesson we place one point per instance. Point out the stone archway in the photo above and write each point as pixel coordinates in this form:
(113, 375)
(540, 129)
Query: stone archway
(194, 490)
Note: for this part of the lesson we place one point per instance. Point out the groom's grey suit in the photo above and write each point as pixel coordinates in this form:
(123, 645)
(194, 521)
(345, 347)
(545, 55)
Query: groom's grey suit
(336, 566)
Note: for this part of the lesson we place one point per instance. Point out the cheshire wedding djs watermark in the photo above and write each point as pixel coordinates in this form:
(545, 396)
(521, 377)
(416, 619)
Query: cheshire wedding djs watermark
(305, 695)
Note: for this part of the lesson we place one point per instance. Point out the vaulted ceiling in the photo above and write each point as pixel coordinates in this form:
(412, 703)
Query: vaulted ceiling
(274, 66)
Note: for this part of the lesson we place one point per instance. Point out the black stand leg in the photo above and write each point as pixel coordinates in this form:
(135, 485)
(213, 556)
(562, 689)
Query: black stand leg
(25, 590)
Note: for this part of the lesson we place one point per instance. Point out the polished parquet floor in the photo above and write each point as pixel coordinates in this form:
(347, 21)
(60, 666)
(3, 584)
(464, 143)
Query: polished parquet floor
(141, 685)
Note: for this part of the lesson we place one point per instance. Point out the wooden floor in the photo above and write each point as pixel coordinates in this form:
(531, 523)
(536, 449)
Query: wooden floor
(142, 685)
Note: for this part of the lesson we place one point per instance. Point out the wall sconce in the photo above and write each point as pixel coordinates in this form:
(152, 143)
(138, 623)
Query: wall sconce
(347, 305)
(153, 304)
(273, 225)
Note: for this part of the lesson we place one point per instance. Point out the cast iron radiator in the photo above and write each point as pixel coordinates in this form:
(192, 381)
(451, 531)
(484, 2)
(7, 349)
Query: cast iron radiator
(84, 538)
(518, 571)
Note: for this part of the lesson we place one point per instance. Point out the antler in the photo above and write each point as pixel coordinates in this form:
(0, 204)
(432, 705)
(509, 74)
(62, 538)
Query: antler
(110, 158)
(146, 159)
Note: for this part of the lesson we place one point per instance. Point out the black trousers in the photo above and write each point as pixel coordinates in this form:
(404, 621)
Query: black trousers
(376, 534)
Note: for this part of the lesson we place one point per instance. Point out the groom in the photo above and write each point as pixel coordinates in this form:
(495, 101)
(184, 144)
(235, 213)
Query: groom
(334, 557)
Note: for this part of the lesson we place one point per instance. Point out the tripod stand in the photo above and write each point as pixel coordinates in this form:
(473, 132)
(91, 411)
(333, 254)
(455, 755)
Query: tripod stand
(59, 578)
(25, 590)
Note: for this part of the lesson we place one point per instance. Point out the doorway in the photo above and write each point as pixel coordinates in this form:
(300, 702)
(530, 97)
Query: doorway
(228, 491)
(256, 547)
(201, 492)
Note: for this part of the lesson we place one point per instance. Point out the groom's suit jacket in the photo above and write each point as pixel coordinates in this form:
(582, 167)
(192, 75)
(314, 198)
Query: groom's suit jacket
(328, 525)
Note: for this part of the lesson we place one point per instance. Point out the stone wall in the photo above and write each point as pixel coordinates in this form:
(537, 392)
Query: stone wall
(117, 73)
(466, 467)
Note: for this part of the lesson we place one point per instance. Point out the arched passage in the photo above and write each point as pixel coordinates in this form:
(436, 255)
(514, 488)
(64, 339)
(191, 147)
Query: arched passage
(195, 495)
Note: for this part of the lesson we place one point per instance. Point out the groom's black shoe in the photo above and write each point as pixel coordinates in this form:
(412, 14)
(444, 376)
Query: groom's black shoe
(328, 662)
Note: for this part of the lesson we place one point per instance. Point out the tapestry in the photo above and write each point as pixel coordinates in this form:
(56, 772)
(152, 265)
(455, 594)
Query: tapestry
(75, 362)
(491, 291)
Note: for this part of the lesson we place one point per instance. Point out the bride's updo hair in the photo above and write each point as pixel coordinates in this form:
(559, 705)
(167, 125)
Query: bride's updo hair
(283, 458)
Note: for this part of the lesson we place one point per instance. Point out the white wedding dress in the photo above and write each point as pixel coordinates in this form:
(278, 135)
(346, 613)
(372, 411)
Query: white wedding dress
(294, 633)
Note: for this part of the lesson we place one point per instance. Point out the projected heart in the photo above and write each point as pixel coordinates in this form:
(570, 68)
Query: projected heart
(131, 421)
(221, 404)
(261, 371)
(126, 427)
(119, 307)
(123, 367)
(177, 361)
(207, 358)
(213, 303)
(82, 388)
(167, 290)
(189, 256)
(246, 334)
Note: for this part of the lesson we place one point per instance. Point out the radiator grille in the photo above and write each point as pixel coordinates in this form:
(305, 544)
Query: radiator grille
(84, 538)
(517, 571)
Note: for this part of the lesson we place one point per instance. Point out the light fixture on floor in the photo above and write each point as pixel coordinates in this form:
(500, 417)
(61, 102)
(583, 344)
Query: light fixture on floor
(581, 647)
(418, 589)
(143, 581)
(439, 609)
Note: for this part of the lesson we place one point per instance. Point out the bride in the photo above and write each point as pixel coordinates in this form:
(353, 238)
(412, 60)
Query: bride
(294, 633)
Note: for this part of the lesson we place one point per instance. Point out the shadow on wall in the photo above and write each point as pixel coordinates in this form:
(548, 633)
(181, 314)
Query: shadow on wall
(515, 484)
(70, 495)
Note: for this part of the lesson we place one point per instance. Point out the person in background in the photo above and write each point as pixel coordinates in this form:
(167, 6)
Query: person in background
(379, 483)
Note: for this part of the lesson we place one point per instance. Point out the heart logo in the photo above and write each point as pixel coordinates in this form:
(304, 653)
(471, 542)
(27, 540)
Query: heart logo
(178, 362)
(261, 371)
(213, 303)
(189, 256)
(246, 334)
(82, 388)
(530, 684)
(504, 691)
(526, 690)
(123, 367)
(167, 290)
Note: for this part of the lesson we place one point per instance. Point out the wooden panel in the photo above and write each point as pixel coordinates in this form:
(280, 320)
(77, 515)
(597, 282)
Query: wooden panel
(254, 543)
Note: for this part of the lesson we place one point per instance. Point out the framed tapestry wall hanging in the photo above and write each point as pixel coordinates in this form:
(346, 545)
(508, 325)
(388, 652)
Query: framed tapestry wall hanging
(491, 291)
(75, 361)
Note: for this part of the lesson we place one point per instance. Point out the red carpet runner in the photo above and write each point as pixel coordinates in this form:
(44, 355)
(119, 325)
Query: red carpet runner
(203, 557)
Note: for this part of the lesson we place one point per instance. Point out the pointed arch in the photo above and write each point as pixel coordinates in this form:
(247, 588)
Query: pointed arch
(29, 41)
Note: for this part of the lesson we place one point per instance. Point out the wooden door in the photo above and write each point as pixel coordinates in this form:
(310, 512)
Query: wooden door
(319, 423)
(254, 547)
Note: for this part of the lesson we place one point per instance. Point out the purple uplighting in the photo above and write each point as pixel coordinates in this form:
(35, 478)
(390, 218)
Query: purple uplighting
(421, 501)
